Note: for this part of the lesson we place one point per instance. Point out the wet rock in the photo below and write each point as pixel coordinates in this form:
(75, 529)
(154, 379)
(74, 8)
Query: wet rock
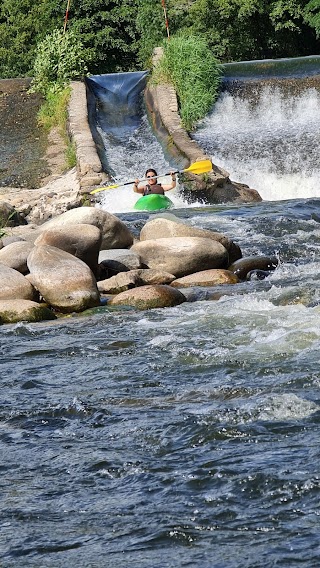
(161, 227)
(255, 275)
(13, 311)
(82, 241)
(132, 279)
(147, 297)
(181, 256)
(115, 234)
(14, 286)
(65, 282)
(15, 255)
(113, 261)
(206, 278)
(244, 265)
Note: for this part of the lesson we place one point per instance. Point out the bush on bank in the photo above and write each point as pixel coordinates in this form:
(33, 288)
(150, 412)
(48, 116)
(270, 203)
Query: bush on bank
(190, 66)
(59, 60)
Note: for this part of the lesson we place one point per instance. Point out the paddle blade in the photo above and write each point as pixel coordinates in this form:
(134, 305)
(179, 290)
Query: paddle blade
(103, 188)
(201, 167)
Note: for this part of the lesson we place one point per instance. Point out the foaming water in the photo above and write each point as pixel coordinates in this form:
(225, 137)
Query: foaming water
(150, 438)
(267, 137)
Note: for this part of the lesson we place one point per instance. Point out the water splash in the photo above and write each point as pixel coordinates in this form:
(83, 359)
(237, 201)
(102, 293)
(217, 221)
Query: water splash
(268, 138)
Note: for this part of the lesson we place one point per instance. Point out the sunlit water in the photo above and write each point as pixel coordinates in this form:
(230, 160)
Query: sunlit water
(185, 436)
(267, 139)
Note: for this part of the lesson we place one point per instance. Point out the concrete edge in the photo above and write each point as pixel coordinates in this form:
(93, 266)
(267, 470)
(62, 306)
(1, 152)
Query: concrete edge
(89, 168)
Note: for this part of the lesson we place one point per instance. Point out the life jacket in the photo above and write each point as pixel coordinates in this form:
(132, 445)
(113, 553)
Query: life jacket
(156, 188)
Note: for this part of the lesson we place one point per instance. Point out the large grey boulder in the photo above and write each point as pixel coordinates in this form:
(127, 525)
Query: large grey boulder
(12, 311)
(182, 255)
(162, 227)
(15, 255)
(151, 296)
(115, 234)
(82, 241)
(14, 285)
(65, 282)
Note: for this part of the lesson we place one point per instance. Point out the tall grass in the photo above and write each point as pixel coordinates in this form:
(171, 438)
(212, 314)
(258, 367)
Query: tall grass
(54, 113)
(191, 67)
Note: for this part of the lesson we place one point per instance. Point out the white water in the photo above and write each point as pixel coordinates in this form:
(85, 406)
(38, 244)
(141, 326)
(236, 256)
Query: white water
(270, 143)
(129, 159)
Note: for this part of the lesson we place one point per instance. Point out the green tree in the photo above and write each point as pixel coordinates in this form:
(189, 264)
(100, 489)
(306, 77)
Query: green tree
(312, 15)
(253, 29)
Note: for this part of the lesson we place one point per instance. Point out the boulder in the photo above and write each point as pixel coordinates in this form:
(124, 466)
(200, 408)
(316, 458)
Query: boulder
(182, 255)
(113, 261)
(147, 297)
(14, 286)
(15, 255)
(82, 241)
(120, 282)
(13, 239)
(245, 265)
(162, 227)
(65, 282)
(115, 234)
(132, 279)
(212, 277)
(12, 311)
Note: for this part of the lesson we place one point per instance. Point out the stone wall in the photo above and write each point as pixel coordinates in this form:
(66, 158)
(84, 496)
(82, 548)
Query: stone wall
(89, 167)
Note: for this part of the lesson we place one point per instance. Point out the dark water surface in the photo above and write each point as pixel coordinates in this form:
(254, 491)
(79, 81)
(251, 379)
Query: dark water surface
(174, 437)
(189, 436)
(22, 141)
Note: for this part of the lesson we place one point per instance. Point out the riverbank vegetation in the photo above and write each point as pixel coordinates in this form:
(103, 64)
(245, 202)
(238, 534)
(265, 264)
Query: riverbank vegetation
(193, 70)
(107, 36)
(119, 35)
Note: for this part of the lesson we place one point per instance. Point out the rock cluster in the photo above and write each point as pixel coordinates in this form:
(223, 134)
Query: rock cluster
(86, 257)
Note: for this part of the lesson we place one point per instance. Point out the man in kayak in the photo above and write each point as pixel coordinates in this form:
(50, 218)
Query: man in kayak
(152, 185)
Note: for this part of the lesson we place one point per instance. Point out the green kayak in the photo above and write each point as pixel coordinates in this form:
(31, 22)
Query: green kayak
(153, 202)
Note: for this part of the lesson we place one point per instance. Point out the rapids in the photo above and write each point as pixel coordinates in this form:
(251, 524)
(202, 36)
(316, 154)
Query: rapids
(176, 437)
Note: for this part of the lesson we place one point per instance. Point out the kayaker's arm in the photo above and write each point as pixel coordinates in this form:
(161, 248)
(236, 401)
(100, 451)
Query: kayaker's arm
(136, 187)
(173, 183)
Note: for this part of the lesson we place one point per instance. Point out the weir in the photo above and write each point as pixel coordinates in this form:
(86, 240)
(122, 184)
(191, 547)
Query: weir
(265, 127)
(114, 108)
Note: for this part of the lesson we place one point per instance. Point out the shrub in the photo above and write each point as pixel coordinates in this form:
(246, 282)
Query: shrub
(59, 59)
(191, 67)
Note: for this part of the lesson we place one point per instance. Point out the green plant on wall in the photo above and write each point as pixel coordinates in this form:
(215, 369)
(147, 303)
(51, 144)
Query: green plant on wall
(59, 59)
(193, 70)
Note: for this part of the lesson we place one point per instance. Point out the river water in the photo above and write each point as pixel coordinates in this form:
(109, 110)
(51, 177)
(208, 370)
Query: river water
(173, 437)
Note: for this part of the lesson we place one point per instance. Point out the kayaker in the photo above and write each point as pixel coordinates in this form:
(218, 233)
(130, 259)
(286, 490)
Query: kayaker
(152, 185)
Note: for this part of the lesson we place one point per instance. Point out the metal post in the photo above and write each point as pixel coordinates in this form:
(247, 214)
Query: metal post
(66, 17)
(165, 17)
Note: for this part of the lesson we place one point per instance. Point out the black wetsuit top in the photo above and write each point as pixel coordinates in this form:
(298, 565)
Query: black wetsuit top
(156, 188)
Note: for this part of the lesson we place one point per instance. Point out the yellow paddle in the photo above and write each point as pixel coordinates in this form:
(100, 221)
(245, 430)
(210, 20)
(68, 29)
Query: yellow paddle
(201, 167)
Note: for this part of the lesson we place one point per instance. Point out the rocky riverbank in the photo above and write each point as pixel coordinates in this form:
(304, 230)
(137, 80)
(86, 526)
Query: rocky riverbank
(86, 258)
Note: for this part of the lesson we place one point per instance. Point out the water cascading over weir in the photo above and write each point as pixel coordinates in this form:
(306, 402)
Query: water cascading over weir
(265, 126)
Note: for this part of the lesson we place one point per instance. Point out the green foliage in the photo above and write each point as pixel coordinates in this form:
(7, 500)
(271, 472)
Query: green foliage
(59, 59)
(190, 66)
(21, 22)
(312, 15)
(151, 25)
